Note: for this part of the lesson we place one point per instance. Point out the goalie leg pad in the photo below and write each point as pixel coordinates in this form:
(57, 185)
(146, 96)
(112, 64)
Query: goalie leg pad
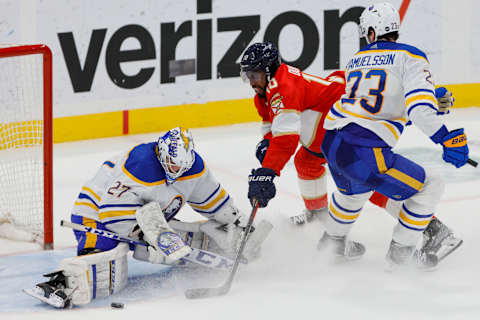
(83, 278)
(96, 275)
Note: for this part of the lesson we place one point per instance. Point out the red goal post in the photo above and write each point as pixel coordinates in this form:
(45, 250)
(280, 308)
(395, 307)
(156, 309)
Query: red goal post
(25, 127)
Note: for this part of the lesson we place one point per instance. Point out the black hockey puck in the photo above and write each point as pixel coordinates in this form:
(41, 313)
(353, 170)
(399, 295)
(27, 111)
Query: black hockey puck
(117, 305)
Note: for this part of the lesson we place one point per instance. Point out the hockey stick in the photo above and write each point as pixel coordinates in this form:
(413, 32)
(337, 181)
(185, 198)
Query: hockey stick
(198, 293)
(473, 163)
(204, 258)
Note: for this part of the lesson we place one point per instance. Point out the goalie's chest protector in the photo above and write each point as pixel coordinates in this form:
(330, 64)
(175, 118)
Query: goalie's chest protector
(148, 176)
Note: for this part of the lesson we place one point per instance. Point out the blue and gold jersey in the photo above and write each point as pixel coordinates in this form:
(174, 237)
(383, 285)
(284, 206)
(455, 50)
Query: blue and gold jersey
(126, 182)
(388, 83)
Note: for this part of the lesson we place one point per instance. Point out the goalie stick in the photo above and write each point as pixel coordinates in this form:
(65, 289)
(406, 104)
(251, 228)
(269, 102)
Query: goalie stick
(198, 293)
(204, 258)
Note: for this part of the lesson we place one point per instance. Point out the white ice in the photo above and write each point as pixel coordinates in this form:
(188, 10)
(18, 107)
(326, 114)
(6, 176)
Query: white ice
(292, 280)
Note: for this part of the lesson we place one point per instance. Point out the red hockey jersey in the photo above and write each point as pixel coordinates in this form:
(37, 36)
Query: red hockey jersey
(294, 110)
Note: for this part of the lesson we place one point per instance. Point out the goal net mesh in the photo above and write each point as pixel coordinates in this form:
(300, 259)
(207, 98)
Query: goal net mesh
(21, 144)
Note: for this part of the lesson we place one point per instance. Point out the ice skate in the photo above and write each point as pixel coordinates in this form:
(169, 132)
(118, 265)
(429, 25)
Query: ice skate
(307, 216)
(53, 291)
(341, 247)
(402, 256)
(439, 240)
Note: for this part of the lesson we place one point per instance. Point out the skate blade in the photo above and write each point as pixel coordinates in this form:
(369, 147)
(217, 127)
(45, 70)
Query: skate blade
(449, 249)
(411, 266)
(57, 303)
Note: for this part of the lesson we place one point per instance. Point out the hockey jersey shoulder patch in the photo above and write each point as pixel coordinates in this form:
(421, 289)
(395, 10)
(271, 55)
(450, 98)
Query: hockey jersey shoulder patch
(142, 165)
(276, 103)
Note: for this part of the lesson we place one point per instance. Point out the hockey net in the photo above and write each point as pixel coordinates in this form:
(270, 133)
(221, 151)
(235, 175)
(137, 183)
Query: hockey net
(26, 144)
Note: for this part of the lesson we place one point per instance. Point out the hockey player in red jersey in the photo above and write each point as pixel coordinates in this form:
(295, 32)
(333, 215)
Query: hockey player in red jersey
(293, 106)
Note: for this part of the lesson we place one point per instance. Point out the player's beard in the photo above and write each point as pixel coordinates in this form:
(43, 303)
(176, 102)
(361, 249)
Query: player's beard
(259, 90)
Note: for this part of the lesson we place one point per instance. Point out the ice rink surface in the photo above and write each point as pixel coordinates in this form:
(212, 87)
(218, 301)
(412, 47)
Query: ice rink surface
(291, 280)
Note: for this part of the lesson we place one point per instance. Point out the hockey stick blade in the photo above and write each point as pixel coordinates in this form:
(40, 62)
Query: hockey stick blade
(199, 293)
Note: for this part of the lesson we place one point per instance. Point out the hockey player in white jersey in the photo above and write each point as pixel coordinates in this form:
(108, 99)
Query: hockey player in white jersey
(137, 195)
(388, 83)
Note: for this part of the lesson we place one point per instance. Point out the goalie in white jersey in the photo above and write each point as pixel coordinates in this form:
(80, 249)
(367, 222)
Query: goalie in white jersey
(389, 83)
(137, 195)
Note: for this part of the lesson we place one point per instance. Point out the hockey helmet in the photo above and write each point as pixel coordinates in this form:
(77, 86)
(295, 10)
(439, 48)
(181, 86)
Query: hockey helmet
(175, 152)
(383, 18)
(260, 56)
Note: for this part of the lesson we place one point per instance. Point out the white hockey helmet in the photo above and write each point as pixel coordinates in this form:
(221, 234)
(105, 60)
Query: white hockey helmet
(175, 152)
(382, 17)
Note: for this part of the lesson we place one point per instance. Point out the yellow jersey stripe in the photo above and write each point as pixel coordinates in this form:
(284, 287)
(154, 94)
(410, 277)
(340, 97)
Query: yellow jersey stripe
(352, 113)
(131, 176)
(220, 196)
(382, 167)
(329, 116)
(91, 238)
(421, 97)
(88, 204)
(392, 129)
(111, 214)
(91, 192)
(285, 133)
(390, 50)
(341, 215)
(314, 133)
(415, 184)
(193, 176)
(289, 111)
(422, 223)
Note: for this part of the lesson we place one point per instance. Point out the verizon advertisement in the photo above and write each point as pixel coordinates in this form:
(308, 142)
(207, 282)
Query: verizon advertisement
(112, 55)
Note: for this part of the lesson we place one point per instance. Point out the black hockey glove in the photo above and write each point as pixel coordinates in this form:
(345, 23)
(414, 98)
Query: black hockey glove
(261, 186)
(261, 151)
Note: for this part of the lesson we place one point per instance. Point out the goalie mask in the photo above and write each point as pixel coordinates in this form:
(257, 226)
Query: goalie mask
(383, 18)
(175, 153)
